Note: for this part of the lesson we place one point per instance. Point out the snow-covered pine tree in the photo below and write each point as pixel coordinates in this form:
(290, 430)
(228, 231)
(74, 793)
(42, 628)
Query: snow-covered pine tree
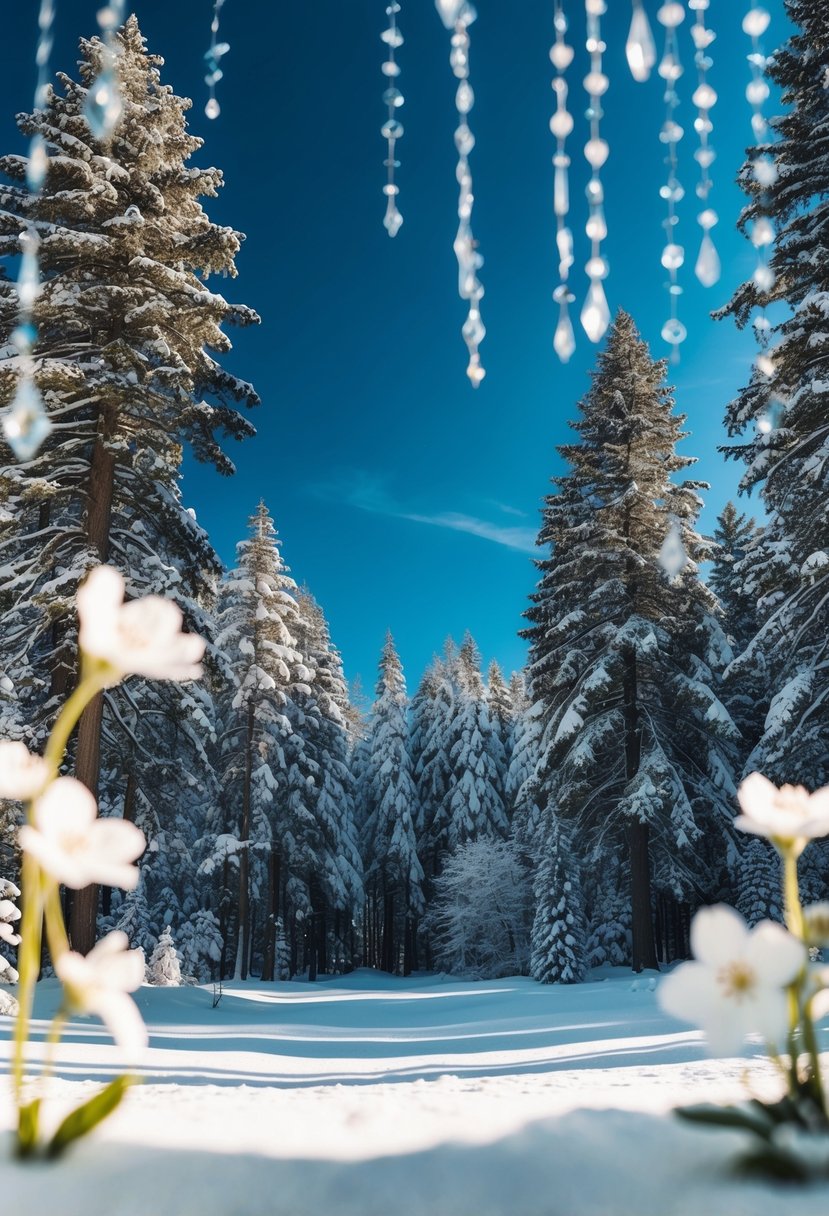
(393, 873)
(636, 746)
(759, 882)
(432, 710)
(476, 798)
(128, 339)
(559, 947)
(781, 414)
(501, 709)
(338, 880)
(9, 916)
(737, 539)
(262, 753)
(164, 967)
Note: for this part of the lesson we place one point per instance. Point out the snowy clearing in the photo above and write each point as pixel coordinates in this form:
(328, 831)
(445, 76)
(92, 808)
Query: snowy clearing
(369, 1095)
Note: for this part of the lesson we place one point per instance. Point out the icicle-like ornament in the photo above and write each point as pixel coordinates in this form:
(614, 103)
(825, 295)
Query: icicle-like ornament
(640, 47)
(213, 57)
(25, 424)
(708, 267)
(595, 314)
(392, 128)
(672, 556)
(458, 15)
(104, 104)
(671, 16)
(561, 125)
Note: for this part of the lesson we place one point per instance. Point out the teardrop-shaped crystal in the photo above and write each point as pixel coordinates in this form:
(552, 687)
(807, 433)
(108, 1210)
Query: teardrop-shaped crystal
(393, 98)
(672, 556)
(392, 37)
(464, 98)
(640, 47)
(756, 22)
(464, 140)
(474, 330)
(564, 340)
(595, 315)
(104, 106)
(708, 267)
(393, 220)
(37, 164)
(25, 425)
(392, 129)
(561, 56)
(212, 109)
(674, 332)
(449, 11)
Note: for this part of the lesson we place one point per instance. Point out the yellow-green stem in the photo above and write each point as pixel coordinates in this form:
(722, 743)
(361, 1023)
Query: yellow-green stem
(67, 720)
(791, 894)
(31, 928)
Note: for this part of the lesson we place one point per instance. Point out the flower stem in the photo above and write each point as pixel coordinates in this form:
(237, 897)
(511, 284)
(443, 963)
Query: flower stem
(67, 719)
(800, 1009)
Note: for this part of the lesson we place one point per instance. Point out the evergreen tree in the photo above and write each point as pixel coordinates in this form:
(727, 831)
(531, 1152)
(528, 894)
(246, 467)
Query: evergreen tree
(394, 874)
(476, 799)
(265, 784)
(164, 968)
(433, 709)
(127, 363)
(781, 414)
(635, 751)
(759, 882)
(558, 934)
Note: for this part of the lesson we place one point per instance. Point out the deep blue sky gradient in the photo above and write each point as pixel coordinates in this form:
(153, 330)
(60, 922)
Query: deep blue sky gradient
(368, 428)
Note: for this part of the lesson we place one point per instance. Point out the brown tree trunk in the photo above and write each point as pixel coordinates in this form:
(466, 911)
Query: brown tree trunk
(82, 925)
(644, 946)
(269, 949)
(388, 963)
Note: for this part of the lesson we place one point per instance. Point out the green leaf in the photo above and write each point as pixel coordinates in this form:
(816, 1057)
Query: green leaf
(27, 1126)
(743, 1118)
(774, 1164)
(87, 1116)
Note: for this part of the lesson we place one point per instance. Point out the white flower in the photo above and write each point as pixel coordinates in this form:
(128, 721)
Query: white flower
(737, 985)
(790, 816)
(99, 984)
(22, 774)
(71, 844)
(141, 638)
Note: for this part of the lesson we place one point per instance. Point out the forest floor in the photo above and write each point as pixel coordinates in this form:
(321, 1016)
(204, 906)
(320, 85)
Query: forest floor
(368, 1095)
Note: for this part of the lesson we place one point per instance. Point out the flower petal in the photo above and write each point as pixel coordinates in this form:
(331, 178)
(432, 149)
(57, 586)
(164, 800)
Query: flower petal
(718, 935)
(120, 1014)
(768, 1015)
(775, 955)
(688, 993)
(22, 774)
(66, 808)
(757, 796)
(726, 1029)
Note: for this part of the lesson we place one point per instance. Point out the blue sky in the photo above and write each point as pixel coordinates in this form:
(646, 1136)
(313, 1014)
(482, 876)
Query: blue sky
(405, 499)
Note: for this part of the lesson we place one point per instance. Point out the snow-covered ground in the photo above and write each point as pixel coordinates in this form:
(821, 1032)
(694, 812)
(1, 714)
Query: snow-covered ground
(374, 1096)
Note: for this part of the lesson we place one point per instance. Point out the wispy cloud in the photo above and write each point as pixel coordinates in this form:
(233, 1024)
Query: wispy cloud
(369, 493)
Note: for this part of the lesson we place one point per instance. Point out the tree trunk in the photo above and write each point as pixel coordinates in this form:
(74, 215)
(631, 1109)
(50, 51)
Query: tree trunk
(243, 939)
(82, 926)
(269, 950)
(644, 946)
(388, 963)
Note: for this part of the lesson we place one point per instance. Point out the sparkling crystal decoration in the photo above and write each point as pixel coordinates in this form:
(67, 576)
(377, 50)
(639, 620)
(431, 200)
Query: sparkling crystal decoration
(392, 128)
(670, 17)
(104, 104)
(25, 424)
(640, 47)
(672, 556)
(213, 57)
(595, 314)
(707, 268)
(458, 17)
(561, 124)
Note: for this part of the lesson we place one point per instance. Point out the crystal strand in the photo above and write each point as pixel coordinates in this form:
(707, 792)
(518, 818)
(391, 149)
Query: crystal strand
(25, 424)
(595, 314)
(392, 128)
(640, 47)
(708, 267)
(104, 104)
(671, 16)
(457, 16)
(764, 171)
(561, 125)
(213, 58)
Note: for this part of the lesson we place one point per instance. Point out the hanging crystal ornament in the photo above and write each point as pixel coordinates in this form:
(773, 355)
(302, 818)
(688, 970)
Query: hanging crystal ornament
(25, 424)
(640, 47)
(104, 105)
(213, 59)
(764, 169)
(561, 125)
(595, 314)
(458, 15)
(392, 128)
(671, 16)
(708, 267)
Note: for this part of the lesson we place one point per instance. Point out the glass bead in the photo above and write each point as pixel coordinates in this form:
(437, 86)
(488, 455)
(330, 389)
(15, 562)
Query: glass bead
(596, 152)
(672, 556)
(674, 332)
(762, 232)
(37, 164)
(465, 97)
(704, 97)
(393, 98)
(393, 220)
(708, 267)
(392, 37)
(708, 219)
(390, 68)
(464, 140)
(640, 48)
(595, 315)
(25, 425)
(757, 92)
(673, 256)
(561, 56)
(212, 109)
(597, 268)
(392, 129)
(671, 15)
(756, 22)
(596, 84)
(450, 11)
(561, 124)
(564, 340)
(103, 107)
